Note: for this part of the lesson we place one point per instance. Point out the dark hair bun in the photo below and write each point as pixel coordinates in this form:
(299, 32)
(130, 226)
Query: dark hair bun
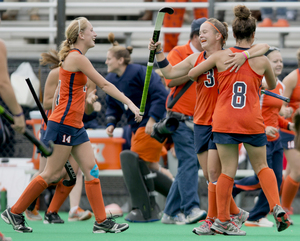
(242, 12)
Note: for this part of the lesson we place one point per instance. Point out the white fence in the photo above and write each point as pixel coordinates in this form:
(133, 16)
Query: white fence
(51, 30)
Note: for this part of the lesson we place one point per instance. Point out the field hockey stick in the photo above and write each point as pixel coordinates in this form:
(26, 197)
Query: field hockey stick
(68, 166)
(157, 28)
(266, 92)
(47, 151)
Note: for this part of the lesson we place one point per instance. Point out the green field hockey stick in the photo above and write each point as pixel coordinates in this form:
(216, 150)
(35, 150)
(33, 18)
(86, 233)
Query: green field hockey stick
(158, 25)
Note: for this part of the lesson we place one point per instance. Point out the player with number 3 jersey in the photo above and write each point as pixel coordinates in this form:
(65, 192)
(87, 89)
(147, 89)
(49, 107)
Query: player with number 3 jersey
(213, 35)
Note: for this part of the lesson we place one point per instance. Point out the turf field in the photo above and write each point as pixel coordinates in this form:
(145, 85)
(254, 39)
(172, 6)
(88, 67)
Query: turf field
(82, 231)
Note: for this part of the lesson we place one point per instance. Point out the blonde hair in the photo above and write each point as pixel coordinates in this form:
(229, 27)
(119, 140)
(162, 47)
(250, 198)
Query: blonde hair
(220, 27)
(51, 58)
(75, 27)
(119, 51)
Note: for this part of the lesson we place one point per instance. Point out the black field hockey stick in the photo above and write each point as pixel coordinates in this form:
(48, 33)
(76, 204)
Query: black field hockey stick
(266, 92)
(68, 166)
(158, 25)
(47, 151)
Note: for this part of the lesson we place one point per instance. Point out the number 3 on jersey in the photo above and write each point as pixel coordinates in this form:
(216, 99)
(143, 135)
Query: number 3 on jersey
(239, 90)
(210, 79)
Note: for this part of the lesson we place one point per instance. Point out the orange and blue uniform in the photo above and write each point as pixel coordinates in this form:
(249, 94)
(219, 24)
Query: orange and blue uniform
(238, 119)
(70, 101)
(207, 94)
(287, 136)
(238, 110)
(270, 107)
(65, 125)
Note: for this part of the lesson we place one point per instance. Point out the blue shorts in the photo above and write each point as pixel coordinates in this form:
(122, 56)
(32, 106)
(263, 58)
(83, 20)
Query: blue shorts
(203, 138)
(65, 135)
(253, 140)
(287, 140)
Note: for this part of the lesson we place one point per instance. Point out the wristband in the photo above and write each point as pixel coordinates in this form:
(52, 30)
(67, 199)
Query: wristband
(19, 114)
(245, 55)
(163, 64)
(110, 124)
(159, 52)
(288, 127)
(248, 54)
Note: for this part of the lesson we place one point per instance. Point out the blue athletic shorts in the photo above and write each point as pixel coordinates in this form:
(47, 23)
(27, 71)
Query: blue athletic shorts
(64, 135)
(287, 140)
(253, 140)
(203, 138)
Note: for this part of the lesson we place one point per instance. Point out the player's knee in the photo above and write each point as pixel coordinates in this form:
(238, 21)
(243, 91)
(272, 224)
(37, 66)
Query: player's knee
(95, 171)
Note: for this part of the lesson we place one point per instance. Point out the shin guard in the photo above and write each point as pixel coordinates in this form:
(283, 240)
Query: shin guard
(138, 180)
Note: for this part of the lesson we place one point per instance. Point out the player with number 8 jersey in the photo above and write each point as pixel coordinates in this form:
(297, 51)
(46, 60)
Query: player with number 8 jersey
(238, 103)
(237, 119)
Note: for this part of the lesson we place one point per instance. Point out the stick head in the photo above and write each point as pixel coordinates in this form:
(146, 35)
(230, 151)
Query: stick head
(69, 183)
(166, 10)
(49, 150)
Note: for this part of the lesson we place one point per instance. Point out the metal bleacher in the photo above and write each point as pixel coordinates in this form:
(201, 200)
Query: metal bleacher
(27, 39)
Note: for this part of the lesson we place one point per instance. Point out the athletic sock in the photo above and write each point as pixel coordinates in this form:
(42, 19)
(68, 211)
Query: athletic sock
(289, 192)
(32, 191)
(94, 195)
(60, 195)
(212, 211)
(233, 207)
(268, 184)
(224, 195)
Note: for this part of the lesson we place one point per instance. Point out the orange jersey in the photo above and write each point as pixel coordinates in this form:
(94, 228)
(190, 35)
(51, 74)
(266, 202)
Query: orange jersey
(44, 125)
(238, 107)
(294, 101)
(186, 103)
(270, 108)
(70, 103)
(207, 94)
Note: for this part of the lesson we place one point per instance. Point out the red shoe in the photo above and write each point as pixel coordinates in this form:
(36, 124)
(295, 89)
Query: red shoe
(267, 22)
(281, 23)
